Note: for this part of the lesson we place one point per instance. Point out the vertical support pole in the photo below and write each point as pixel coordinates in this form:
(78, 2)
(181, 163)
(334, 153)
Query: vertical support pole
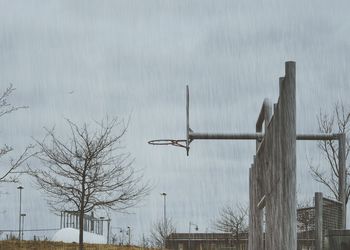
(61, 221)
(342, 176)
(251, 213)
(319, 221)
(76, 221)
(287, 138)
(108, 230)
(255, 241)
(20, 211)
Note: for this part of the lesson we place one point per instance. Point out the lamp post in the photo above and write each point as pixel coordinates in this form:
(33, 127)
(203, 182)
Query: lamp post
(20, 211)
(121, 239)
(22, 228)
(189, 233)
(129, 234)
(165, 220)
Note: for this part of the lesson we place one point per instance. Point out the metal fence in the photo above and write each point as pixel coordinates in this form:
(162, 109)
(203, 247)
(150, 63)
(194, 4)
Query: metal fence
(306, 222)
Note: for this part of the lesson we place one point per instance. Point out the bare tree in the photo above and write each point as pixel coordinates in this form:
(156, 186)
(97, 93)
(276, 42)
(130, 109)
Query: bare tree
(337, 122)
(306, 222)
(88, 171)
(305, 216)
(233, 220)
(145, 242)
(9, 174)
(160, 231)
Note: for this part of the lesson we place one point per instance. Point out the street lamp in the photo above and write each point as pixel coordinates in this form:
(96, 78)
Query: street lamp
(165, 220)
(22, 216)
(20, 211)
(129, 234)
(189, 233)
(121, 239)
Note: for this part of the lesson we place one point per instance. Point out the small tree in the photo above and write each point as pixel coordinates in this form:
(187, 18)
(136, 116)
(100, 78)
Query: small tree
(337, 122)
(306, 220)
(9, 174)
(233, 220)
(305, 216)
(160, 231)
(88, 171)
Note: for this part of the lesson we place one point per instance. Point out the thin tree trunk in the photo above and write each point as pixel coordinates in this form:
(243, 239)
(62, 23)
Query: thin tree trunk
(81, 228)
(81, 218)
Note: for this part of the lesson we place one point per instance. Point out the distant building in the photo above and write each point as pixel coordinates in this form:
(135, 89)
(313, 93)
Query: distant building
(206, 241)
(306, 217)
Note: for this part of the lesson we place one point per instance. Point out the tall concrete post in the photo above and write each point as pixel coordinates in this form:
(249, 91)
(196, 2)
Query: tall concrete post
(318, 221)
(342, 176)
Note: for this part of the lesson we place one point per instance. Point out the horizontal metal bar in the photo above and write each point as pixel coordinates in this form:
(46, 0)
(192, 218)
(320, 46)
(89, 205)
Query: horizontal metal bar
(314, 137)
(207, 136)
(256, 136)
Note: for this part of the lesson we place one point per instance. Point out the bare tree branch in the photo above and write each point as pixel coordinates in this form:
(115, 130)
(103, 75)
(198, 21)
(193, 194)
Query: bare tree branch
(160, 231)
(233, 220)
(10, 174)
(5, 106)
(337, 122)
(88, 171)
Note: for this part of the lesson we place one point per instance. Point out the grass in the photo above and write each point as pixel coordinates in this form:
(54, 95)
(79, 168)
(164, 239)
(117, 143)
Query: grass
(50, 245)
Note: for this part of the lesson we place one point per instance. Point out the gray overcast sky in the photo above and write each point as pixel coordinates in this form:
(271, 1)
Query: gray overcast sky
(84, 59)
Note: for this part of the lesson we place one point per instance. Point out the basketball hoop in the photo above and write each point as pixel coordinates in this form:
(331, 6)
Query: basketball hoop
(178, 143)
(170, 142)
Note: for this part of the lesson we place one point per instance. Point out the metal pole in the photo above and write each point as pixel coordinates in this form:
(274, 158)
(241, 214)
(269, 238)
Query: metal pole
(342, 176)
(319, 221)
(189, 233)
(22, 228)
(108, 230)
(129, 236)
(218, 136)
(165, 220)
(20, 211)
(189, 238)
(257, 136)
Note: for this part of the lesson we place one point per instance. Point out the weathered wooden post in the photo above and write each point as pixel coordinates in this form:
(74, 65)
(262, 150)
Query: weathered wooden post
(255, 241)
(318, 221)
(288, 161)
(273, 174)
